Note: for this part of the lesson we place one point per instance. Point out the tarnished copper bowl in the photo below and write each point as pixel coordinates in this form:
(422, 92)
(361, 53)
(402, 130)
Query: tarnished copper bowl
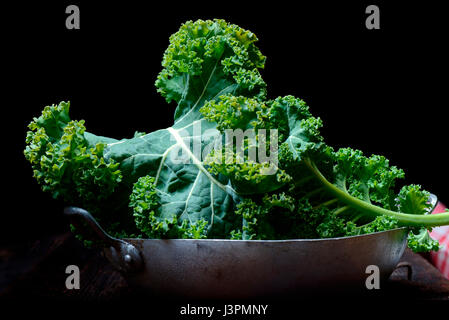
(218, 268)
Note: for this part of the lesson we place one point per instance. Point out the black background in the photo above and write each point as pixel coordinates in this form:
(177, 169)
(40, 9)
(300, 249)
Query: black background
(383, 91)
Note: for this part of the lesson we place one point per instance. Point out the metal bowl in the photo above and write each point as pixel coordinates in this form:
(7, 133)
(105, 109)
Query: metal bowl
(217, 268)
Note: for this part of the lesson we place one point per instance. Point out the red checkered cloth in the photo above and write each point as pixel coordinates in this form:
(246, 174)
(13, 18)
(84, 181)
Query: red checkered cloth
(440, 259)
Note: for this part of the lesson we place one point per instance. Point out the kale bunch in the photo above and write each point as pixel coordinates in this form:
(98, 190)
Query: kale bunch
(191, 181)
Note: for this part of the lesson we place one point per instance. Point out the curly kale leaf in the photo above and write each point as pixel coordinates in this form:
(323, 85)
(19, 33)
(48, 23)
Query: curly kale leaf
(413, 200)
(289, 115)
(296, 131)
(206, 59)
(144, 201)
(419, 240)
(351, 193)
(280, 216)
(353, 181)
(67, 161)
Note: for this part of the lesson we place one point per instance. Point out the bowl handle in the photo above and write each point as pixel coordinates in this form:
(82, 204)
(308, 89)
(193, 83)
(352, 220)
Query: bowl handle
(123, 255)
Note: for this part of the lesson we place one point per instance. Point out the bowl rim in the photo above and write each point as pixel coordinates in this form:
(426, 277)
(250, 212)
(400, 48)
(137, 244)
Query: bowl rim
(372, 234)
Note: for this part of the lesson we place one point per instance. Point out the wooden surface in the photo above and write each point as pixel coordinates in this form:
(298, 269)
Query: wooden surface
(37, 270)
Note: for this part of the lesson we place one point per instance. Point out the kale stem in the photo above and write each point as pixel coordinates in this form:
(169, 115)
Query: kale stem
(303, 180)
(405, 219)
(312, 193)
(357, 217)
(327, 203)
(342, 209)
